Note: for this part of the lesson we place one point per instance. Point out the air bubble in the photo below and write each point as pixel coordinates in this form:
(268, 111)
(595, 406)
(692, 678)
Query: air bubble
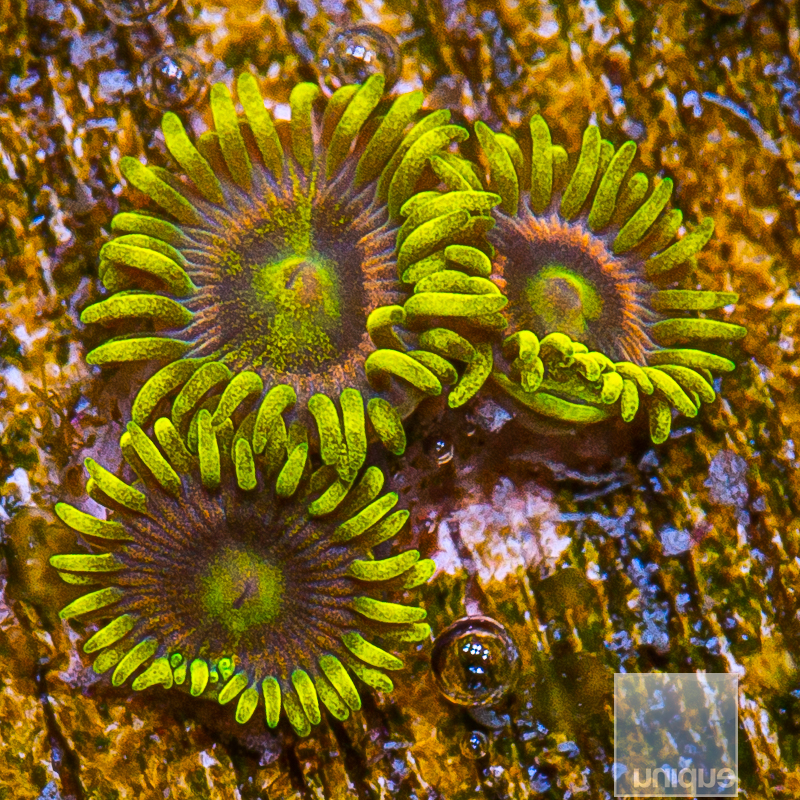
(352, 54)
(171, 80)
(475, 745)
(475, 662)
(440, 449)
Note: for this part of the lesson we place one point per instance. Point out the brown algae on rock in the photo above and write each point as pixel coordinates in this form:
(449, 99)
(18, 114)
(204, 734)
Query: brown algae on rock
(70, 107)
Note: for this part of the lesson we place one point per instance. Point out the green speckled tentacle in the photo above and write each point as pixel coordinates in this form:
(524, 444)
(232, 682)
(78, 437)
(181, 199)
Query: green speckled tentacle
(552, 375)
(205, 567)
(584, 256)
(442, 252)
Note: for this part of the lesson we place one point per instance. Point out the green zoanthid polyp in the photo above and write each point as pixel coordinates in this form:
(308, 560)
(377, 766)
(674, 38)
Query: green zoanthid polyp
(598, 319)
(273, 254)
(249, 579)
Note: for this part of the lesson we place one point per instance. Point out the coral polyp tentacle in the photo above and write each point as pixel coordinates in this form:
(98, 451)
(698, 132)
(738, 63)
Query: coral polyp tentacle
(219, 582)
(580, 283)
(273, 254)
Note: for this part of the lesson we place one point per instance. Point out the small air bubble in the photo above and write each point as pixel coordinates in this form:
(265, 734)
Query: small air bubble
(475, 662)
(171, 80)
(441, 450)
(352, 54)
(475, 745)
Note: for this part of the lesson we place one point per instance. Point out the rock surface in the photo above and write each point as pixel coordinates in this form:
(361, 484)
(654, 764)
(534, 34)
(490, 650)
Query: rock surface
(680, 558)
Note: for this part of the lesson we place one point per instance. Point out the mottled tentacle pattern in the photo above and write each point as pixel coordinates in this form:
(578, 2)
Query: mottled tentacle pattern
(234, 579)
(272, 256)
(596, 323)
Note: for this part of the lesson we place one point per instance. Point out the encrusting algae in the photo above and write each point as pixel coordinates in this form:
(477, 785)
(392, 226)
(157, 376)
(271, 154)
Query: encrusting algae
(596, 323)
(240, 581)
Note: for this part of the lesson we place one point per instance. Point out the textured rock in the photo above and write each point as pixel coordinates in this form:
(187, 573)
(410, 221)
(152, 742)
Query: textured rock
(683, 557)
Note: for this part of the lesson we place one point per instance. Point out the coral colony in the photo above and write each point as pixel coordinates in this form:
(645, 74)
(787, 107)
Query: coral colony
(225, 581)
(584, 261)
(276, 265)
(307, 284)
